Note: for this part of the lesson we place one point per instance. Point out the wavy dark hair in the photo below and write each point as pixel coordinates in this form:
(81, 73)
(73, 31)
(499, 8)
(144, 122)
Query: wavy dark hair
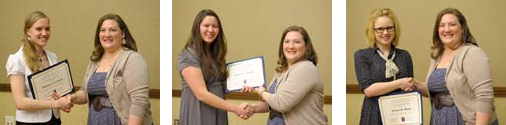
(217, 49)
(466, 36)
(97, 54)
(309, 54)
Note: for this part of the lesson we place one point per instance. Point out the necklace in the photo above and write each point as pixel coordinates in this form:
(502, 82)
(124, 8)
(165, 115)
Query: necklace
(41, 57)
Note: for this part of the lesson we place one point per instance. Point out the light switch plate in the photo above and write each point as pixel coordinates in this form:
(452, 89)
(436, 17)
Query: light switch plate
(9, 120)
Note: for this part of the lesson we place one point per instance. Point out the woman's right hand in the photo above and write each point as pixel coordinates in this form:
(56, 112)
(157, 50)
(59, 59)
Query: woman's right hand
(244, 111)
(407, 84)
(64, 103)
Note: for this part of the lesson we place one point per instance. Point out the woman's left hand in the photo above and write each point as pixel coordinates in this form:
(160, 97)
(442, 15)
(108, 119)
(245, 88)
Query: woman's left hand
(259, 90)
(247, 89)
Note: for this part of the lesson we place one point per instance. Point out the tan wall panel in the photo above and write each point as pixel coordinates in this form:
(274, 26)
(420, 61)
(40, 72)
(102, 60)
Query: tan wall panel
(253, 28)
(73, 25)
(417, 17)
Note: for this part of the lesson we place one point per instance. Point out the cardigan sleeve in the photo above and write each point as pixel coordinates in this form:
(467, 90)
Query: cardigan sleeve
(298, 83)
(136, 79)
(476, 67)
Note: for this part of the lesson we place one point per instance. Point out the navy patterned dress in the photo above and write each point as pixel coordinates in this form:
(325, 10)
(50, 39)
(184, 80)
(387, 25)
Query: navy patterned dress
(447, 115)
(107, 115)
(370, 69)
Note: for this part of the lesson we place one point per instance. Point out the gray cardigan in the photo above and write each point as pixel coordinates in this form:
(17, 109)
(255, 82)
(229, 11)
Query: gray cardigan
(299, 95)
(469, 82)
(126, 85)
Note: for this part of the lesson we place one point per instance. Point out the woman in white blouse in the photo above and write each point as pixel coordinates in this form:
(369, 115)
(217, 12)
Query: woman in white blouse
(30, 58)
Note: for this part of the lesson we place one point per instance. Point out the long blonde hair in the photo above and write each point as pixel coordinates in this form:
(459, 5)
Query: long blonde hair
(28, 45)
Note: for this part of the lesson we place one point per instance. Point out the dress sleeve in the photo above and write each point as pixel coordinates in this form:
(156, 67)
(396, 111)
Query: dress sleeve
(15, 65)
(476, 67)
(362, 70)
(409, 65)
(188, 58)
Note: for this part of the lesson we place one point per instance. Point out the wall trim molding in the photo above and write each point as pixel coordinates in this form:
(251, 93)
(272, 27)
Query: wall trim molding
(327, 99)
(355, 89)
(153, 93)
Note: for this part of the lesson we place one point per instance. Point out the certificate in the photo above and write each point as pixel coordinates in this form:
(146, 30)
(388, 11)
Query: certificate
(403, 108)
(248, 72)
(53, 78)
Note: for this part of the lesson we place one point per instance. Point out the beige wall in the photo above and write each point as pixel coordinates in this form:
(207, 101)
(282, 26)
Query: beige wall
(73, 25)
(485, 19)
(253, 28)
(417, 18)
(354, 106)
(256, 119)
(78, 116)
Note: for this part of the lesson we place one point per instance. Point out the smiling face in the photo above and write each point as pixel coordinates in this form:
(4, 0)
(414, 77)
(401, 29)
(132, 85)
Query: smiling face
(384, 31)
(39, 32)
(293, 47)
(111, 35)
(209, 29)
(450, 30)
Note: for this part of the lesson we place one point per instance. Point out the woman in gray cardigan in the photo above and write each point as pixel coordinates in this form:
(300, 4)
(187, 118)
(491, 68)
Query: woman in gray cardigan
(116, 81)
(295, 95)
(458, 81)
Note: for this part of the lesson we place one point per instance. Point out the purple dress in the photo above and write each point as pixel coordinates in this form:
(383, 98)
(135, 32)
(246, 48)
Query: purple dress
(106, 116)
(447, 115)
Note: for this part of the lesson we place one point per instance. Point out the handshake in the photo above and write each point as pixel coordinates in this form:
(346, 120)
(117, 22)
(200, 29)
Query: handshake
(244, 110)
(64, 103)
(407, 84)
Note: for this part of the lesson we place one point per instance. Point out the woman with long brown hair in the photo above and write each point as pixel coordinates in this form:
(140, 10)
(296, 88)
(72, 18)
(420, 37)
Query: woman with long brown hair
(204, 72)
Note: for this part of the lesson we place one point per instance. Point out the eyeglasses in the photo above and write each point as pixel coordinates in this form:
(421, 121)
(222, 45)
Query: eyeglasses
(383, 29)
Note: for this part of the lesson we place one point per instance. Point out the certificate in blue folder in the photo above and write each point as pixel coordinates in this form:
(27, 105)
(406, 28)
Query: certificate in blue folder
(249, 72)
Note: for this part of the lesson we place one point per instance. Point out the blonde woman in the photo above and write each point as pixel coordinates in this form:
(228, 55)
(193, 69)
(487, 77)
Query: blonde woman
(382, 68)
(30, 58)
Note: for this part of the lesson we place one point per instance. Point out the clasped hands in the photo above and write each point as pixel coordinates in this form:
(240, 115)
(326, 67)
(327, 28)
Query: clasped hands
(64, 103)
(407, 84)
(246, 110)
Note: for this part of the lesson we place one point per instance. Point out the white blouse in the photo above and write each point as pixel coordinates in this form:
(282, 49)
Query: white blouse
(16, 64)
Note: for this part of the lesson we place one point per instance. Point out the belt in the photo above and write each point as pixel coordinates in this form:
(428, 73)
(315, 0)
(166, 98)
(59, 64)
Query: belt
(275, 113)
(441, 100)
(214, 84)
(99, 102)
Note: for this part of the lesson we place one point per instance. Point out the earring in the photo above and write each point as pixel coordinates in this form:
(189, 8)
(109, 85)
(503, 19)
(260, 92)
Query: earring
(124, 41)
(29, 39)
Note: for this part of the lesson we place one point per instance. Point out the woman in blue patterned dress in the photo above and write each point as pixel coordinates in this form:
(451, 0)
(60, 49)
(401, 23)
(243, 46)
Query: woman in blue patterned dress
(458, 81)
(382, 68)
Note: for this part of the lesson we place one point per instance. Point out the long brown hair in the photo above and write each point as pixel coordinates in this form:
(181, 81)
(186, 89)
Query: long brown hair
(129, 40)
(217, 51)
(466, 36)
(28, 45)
(309, 54)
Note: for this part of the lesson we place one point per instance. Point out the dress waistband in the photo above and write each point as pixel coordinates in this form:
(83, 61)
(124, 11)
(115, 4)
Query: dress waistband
(441, 100)
(214, 84)
(99, 102)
